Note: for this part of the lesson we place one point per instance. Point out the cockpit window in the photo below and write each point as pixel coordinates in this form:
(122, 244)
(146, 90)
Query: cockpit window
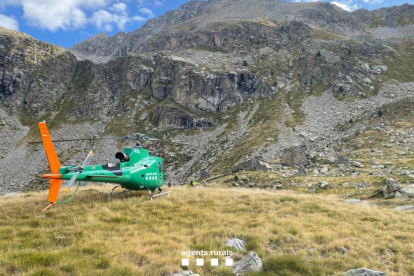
(160, 167)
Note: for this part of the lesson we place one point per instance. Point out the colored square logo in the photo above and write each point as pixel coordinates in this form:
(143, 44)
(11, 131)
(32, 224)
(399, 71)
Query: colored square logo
(185, 262)
(214, 262)
(229, 262)
(199, 262)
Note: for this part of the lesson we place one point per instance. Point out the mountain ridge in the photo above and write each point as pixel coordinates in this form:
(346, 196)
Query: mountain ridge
(320, 14)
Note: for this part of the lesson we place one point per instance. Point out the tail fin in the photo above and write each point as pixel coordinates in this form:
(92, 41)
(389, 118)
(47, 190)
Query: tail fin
(53, 160)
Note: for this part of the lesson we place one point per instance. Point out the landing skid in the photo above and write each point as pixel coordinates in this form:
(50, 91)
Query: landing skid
(152, 196)
(159, 194)
(113, 189)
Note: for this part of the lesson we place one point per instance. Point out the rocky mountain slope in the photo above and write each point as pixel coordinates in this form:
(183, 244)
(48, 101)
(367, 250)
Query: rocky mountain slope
(241, 80)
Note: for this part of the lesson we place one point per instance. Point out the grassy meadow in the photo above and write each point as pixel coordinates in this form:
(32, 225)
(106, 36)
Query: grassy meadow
(294, 234)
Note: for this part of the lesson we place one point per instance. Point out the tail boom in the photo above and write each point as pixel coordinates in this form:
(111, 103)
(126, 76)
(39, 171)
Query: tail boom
(52, 176)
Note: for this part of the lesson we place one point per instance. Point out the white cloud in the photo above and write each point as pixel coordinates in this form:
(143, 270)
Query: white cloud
(53, 15)
(4, 3)
(8, 22)
(103, 19)
(119, 7)
(342, 6)
(306, 0)
(373, 1)
(147, 11)
(348, 6)
(158, 3)
(138, 18)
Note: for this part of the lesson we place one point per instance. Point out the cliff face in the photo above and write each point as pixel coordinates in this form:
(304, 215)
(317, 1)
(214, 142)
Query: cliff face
(243, 73)
(34, 74)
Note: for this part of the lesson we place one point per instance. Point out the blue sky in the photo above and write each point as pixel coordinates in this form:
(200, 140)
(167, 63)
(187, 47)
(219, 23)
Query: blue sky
(67, 22)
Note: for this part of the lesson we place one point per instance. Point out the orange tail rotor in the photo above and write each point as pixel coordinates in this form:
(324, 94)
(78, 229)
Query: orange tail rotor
(54, 164)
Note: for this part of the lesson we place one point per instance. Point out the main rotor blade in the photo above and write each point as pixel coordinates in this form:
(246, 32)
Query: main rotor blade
(85, 139)
(71, 181)
(88, 159)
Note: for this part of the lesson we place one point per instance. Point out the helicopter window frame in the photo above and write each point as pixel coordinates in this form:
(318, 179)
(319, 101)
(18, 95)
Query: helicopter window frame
(160, 168)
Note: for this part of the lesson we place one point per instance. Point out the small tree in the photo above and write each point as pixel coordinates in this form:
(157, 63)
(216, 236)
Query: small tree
(245, 63)
(351, 121)
(318, 54)
(380, 113)
(341, 89)
(275, 83)
(349, 51)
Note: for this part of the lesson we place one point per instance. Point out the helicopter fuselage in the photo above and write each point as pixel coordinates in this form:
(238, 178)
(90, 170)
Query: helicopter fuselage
(137, 171)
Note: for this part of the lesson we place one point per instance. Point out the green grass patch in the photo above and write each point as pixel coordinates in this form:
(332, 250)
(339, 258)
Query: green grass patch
(290, 265)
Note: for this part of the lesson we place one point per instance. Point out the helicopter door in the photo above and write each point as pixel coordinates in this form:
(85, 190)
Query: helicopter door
(161, 170)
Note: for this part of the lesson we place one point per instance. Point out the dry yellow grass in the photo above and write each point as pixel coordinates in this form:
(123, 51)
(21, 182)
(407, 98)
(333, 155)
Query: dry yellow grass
(298, 233)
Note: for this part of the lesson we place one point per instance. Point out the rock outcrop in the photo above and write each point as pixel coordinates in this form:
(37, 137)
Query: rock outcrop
(391, 188)
(250, 263)
(364, 272)
(295, 156)
(252, 165)
(238, 244)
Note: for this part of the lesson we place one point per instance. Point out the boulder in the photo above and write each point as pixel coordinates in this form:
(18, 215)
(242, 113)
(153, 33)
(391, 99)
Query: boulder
(356, 164)
(252, 165)
(365, 66)
(330, 160)
(342, 160)
(391, 188)
(250, 263)
(238, 244)
(407, 191)
(364, 272)
(323, 184)
(302, 170)
(392, 185)
(204, 175)
(361, 185)
(295, 156)
(324, 170)
(277, 187)
(235, 184)
(404, 208)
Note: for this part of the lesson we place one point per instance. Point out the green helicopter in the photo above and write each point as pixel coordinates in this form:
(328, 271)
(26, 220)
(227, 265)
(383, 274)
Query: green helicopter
(136, 169)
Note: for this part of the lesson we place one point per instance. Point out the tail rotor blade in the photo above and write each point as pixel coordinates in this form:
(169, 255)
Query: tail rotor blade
(75, 175)
(71, 181)
(88, 159)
